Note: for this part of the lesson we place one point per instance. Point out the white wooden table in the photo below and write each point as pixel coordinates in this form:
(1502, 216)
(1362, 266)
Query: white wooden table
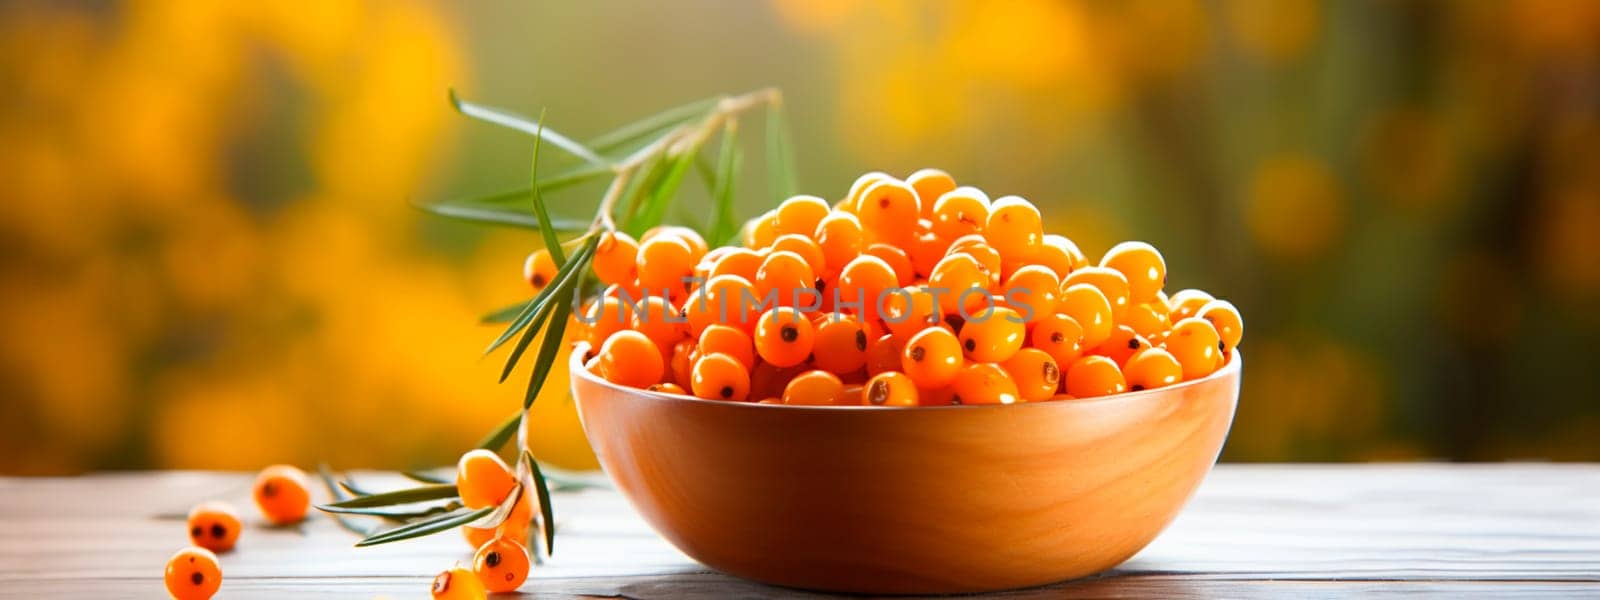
(1252, 531)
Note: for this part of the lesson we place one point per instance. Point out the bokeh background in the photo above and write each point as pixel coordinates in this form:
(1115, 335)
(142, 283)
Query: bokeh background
(207, 257)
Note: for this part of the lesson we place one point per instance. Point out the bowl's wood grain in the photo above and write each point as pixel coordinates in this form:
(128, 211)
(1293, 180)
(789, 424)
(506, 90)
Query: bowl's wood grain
(921, 500)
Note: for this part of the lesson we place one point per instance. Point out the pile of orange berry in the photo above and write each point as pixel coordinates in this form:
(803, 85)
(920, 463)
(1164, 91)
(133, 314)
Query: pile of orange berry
(194, 573)
(906, 292)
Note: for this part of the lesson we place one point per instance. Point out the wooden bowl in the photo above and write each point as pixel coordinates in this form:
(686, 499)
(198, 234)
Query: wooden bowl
(921, 500)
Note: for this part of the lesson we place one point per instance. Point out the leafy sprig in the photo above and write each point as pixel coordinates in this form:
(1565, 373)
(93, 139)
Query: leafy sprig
(647, 162)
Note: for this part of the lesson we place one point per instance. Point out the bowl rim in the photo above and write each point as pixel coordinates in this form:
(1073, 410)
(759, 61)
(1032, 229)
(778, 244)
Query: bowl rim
(580, 349)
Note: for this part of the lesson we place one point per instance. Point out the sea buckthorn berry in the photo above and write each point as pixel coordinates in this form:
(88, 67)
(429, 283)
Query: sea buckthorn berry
(784, 337)
(1123, 343)
(689, 236)
(987, 256)
(1225, 318)
(669, 388)
(863, 281)
(1146, 319)
(482, 479)
(852, 199)
(1152, 368)
(887, 208)
(803, 245)
(1087, 305)
(1187, 303)
(760, 231)
(664, 263)
(993, 337)
(815, 388)
(780, 275)
(736, 261)
(731, 341)
(1058, 254)
(214, 526)
(983, 383)
(890, 388)
(1141, 264)
(841, 345)
(539, 269)
(930, 184)
(631, 359)
(926, 249)
(1095, 375)
(931, 358)
(1036, 373)
(502, 565)
(1196, 345)
(909, 311)
(883, 354)
(1110, 282)
(680, 366)
(1036, 287)
(898, 261)
(282, 494)
(840, 237)
(1013, 227)
(954, 275)
(616, 258)
(658, 320)
(193, 574)
(458, 584)
(1060, 336)
(960, 212)
(727, 299)
(720, 377)
(800, 215)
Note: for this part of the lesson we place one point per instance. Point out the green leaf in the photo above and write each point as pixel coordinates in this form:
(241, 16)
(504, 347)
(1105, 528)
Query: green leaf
(393, 513)
(545, 507)
(505, 118)
(780, 154)
(480, 212)
(723, 224)
(424, 527)
(551, 242)
(547, 353)
(503, 314)
(654, 123)
(423, 477)
(405, 496)
(644, 179)
(559, 289)
(661, 194)
(532, 310)
(340, 495)
(502, 433)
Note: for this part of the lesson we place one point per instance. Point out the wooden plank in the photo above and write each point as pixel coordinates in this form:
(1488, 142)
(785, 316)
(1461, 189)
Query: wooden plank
(1251, 531)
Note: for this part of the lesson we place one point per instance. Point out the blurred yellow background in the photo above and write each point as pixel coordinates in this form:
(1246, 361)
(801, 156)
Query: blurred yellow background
(207, 258)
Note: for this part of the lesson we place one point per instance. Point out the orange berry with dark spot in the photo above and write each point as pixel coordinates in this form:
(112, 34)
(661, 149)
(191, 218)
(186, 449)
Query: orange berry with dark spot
(930, 184)
(1143, 267)
(720, 377)
(1090, 309)
(539, 269)
(501, 565)
(960, 212)
(887, 209)
(883, 354)
(193, 574)
(1013, 227)
(784, 337)
(931, 358)
(1122, 344)
(807, 248)
(283, 494)
(1036, 287)
(781, 274)
(1059, 336)
(890, 388)
(664, 263)
(458, 584)
(841, 344)
(214, 526)
(993, 337)
(1037, 375)
(731, 341)
(1196, 345)
(1225, 318)
(1152, 368)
